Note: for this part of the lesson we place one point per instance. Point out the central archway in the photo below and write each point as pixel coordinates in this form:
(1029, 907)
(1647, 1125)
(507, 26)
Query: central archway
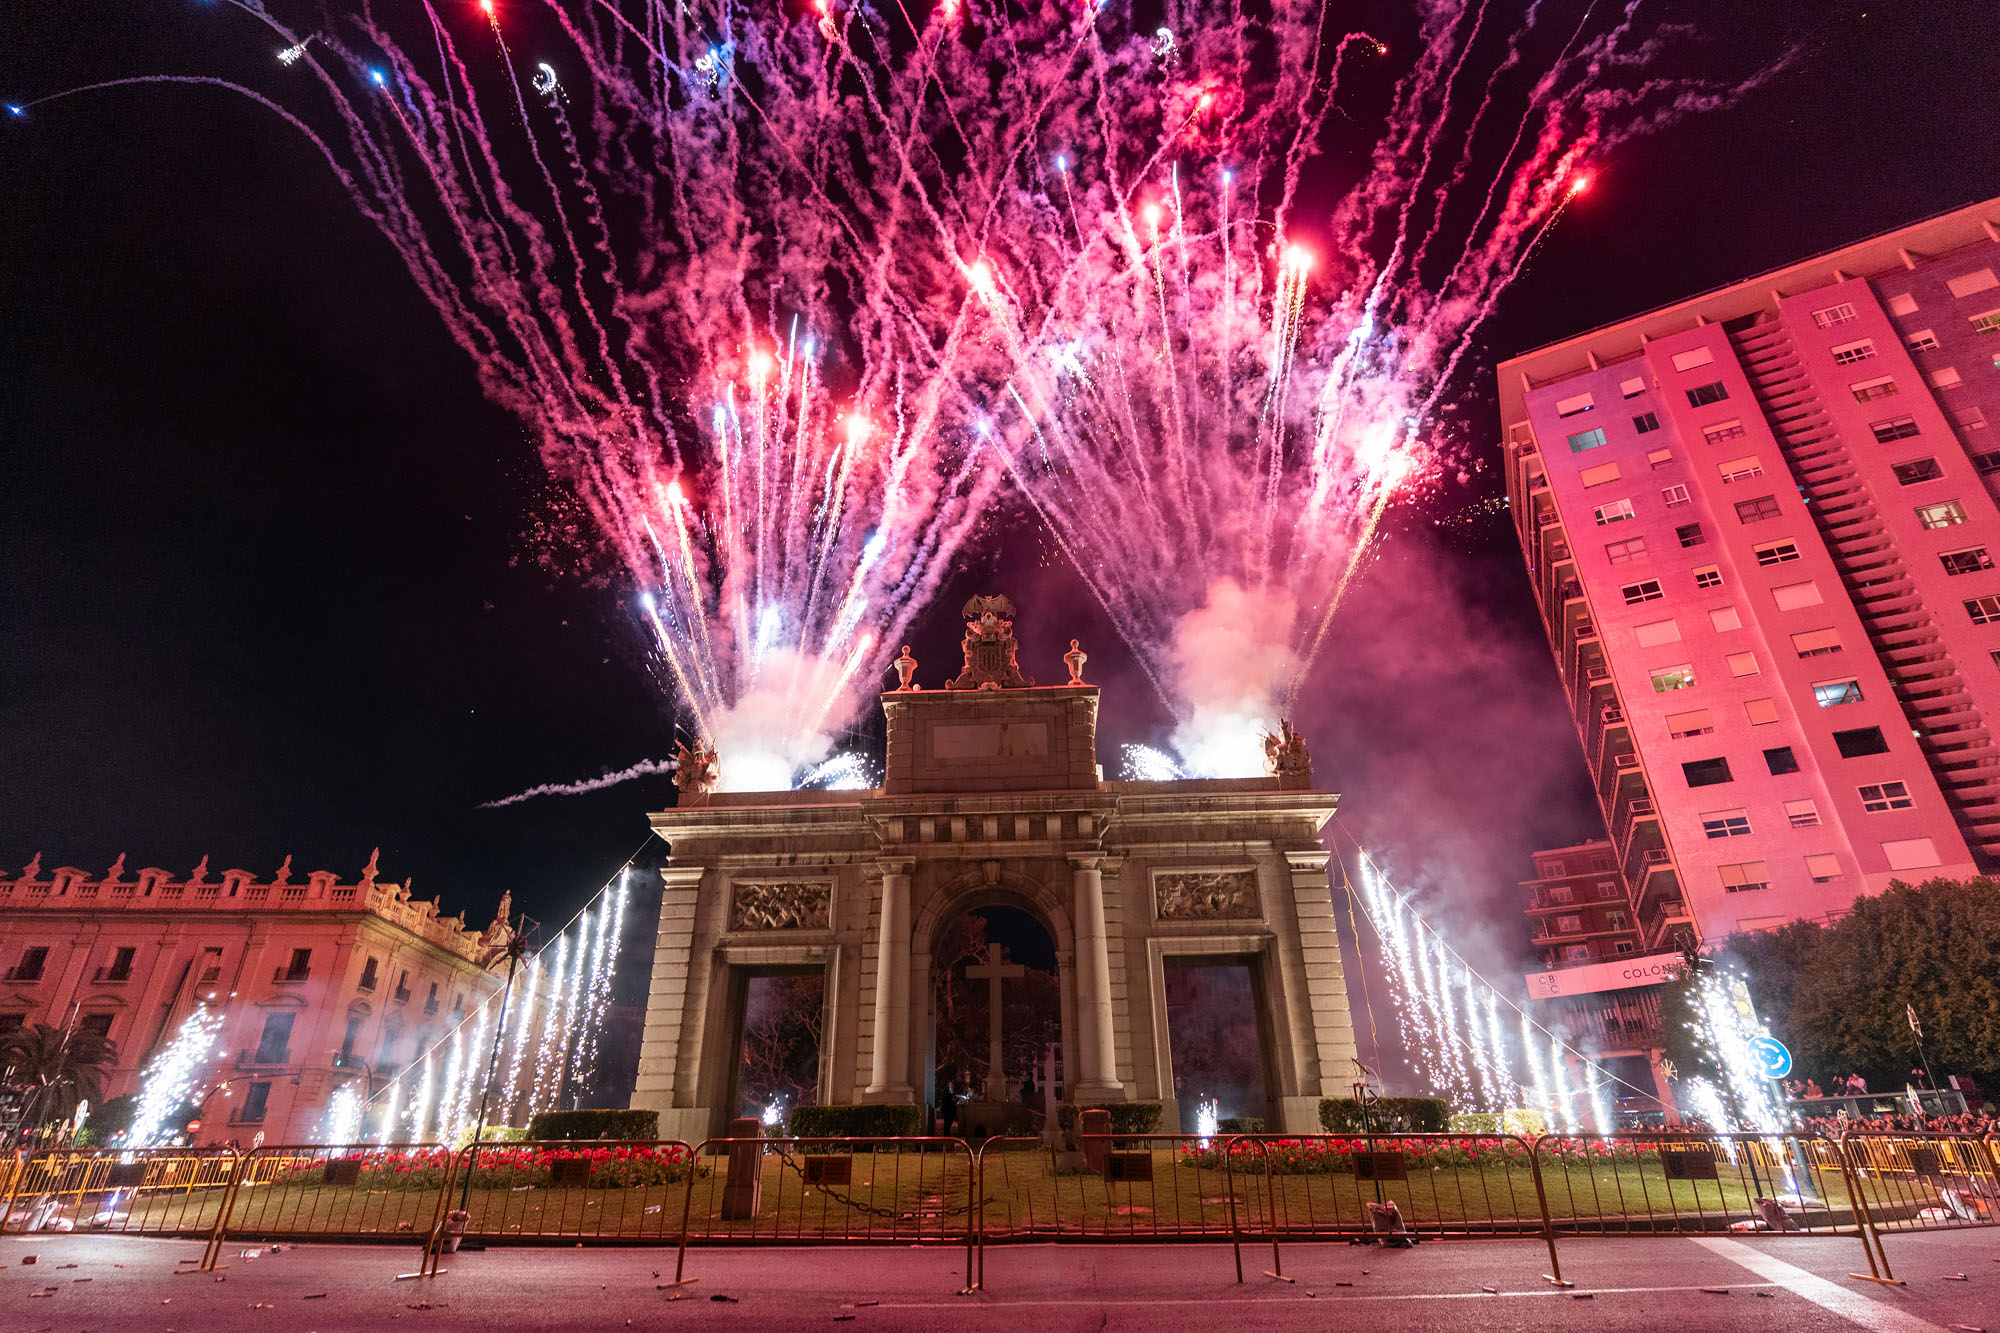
(1038, 1009)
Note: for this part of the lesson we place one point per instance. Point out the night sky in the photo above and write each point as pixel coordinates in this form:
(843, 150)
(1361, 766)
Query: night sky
(275, 578)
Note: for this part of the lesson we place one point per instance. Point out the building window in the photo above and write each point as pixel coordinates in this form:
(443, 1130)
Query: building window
(1673, 678)
(1632, 388)
(211, 964)
(1923, 340)
(1622, 946)
(1740, 469)
(1860, 741)
(274, 1045)
(1969, 561)
(1946, 378)
(1780, 760)
(1569, 407)
(254, 1102)
(1561, 893)
(403, 988)
(300, 968)
(1576, 953)
(1902, 303)
(29, 968)
(1816, 642)
(348, 1038)
(1656, 632)
(1614, 921)
(1569, 925)
(1598, 476)
(1834, 314)
(1724, 619)
(1694, 359)
(1796, 596)
(1747, 877)
(1742, 664)
(1916, 470)
(1911, 853)
(1893, 428)
(1983, 610)
(431, 1001)
(121, 964)
(1801, 814)
(1757, 510)
(1824, 868)
(1690, 534)
(1619, 553)
(1615, 512)
(368, 975)
(1708, 576)
(1867, 391)
(1986, 323)
(1849, 354)
(1970, 417)
(1706, 772)
(1646, 422)
(1696, 723)
(1832, 693)
(1724, 430)
(97, 1023)
(1777, 553)
(1660, 457)
(1726, 823)
(1587, 439)
(1552, 869)
(1646, 590)
(1987, 463)
(1971, 284)
(1880, 796)
(1675, 496)
(1701, 395)
(1760, 711)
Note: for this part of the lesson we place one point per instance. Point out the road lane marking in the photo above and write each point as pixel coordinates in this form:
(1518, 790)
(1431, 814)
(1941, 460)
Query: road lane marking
(1288, 1299)
(1849, 1305)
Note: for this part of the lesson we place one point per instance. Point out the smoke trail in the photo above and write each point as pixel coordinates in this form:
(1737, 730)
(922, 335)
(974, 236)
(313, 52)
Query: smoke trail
(643, 769)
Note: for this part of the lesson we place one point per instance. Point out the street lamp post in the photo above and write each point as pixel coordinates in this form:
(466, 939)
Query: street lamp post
(516, 946)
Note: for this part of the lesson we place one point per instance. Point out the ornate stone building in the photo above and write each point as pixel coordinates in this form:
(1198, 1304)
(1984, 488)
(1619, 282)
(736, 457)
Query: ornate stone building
(992, 794)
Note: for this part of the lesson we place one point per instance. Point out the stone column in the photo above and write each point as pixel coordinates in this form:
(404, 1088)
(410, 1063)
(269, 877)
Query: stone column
(889, 1072)
(1097, 1073)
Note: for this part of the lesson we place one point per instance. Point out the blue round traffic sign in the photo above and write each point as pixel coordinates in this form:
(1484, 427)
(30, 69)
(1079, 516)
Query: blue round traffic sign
(1771, 1055)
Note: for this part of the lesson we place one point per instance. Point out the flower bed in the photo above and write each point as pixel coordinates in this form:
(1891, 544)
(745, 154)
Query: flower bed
(1316, 1156)
(508, 1166)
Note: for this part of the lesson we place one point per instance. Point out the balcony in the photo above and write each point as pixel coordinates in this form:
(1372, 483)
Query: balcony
(27, 977)
(402, 995)
(431, 1005)
(287, 976)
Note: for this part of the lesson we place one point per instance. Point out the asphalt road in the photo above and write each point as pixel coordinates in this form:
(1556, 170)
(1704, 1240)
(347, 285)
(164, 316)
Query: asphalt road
(112, 1283)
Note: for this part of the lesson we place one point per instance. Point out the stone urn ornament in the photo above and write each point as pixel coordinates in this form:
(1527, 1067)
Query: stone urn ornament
(1074, 660)
(906, 668)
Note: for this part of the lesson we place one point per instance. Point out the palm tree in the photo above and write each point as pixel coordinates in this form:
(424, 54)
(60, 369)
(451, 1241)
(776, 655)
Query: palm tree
(54, 1070)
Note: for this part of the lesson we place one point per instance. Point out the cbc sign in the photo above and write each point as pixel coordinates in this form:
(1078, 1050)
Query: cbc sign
(1622, 974)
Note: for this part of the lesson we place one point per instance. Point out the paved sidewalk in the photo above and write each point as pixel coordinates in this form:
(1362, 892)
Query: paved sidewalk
(110, 1283)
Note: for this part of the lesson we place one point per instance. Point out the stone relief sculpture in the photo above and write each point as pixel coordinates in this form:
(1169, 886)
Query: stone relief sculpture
(990, 647)
(780, 905)
(1206, 895)
(1285, 754)
(695, 771)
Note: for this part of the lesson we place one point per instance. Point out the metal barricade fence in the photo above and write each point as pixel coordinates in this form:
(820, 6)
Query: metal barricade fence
(838, 1190)
(632, 1191)
(352, 1191)
(1668, 1184)
(1924, 1182)
(140, 1192)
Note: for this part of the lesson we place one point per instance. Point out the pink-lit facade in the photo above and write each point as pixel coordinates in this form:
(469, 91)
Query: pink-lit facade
(1762, 530)
(320, 983)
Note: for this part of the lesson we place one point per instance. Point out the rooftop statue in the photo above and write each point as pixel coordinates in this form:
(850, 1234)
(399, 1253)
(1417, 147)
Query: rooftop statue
(1285, 754)
(695, 771)
(990, 647)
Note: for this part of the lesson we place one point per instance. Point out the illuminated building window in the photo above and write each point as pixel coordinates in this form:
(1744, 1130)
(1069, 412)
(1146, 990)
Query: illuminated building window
(1969, 561)
(1916, 470)
(1586, 439)
(1983, 610)
(1833, 693)
(1943, 515)
(1673, 678)
(1854, 353)
(1615, 512)
(1831, 315)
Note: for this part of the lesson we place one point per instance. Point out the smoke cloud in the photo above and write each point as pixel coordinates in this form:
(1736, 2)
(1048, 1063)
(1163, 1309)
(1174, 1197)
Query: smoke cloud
(1229, 661)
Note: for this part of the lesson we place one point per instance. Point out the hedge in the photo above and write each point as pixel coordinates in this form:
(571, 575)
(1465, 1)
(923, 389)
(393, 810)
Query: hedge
(611, 1123)
(1240, 1124)
(856, 1122)
(1126, 1117)
(1386, 1115)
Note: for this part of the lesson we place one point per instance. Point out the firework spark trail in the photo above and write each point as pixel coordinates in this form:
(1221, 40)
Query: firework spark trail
(644, 768)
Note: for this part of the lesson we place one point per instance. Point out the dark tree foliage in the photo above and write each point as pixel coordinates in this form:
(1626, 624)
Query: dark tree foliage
(1836, 995)
(1030, 1012)
(53, 1070)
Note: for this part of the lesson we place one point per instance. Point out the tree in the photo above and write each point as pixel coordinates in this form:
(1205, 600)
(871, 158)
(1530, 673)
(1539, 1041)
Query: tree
(54, 1070)
(781, 1032)
(1936, 949)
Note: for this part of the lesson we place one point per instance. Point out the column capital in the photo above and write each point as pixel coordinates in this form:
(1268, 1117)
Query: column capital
(682, 877)
(1308, 861)
(890, 865)
(1086, 860)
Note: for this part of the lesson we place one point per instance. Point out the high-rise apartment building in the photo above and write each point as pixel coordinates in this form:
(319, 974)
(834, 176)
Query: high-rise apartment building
(1761, 527)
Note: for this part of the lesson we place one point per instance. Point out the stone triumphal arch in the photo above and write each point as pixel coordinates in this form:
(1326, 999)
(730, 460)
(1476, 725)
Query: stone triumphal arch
(992, 793)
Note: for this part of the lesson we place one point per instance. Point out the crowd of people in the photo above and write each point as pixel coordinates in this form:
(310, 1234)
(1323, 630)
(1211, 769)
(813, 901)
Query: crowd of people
(1852, 1086)
(1977, 1125)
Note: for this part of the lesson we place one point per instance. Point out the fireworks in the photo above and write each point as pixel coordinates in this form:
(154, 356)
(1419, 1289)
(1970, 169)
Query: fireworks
(169, 1083)
(794, 293)
(342, 1121)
